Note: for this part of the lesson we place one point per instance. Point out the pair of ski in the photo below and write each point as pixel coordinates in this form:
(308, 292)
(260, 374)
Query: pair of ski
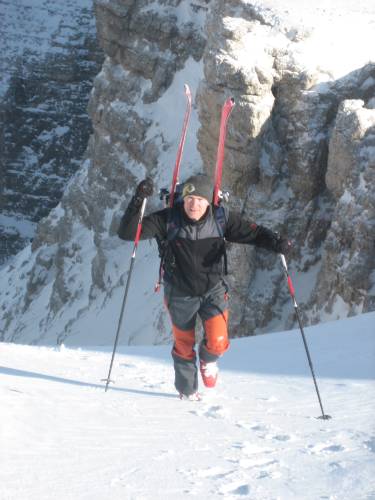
(226, 110)
(225, 113)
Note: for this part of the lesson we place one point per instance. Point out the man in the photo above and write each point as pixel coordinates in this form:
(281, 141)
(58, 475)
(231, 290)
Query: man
(191, 236)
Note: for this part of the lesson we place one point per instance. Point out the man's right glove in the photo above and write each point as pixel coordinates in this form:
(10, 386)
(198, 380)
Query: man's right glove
(144, 189)
(273, 241)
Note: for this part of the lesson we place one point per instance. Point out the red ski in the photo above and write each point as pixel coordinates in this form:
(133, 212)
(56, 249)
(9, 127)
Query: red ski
(225, 112)
(176, 171)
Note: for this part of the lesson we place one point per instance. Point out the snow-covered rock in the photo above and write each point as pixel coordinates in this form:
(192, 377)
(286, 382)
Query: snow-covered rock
(348, 260)
(289, 87)
(299, 159)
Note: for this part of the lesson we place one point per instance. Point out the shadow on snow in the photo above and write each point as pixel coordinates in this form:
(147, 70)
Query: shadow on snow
(23, 373)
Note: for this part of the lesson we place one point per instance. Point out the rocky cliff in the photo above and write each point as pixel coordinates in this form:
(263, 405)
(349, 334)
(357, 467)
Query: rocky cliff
(300, 158)
(48, 61)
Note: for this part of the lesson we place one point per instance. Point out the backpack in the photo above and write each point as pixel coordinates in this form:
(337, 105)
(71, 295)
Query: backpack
(173, 228)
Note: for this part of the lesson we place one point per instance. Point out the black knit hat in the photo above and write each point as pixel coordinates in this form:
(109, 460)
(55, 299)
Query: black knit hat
(198, 185)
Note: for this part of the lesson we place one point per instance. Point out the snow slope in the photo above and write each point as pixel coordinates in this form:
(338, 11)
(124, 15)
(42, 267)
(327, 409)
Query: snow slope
(254, 437)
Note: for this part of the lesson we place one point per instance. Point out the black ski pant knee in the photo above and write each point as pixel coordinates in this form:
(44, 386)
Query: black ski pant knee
(212, 308)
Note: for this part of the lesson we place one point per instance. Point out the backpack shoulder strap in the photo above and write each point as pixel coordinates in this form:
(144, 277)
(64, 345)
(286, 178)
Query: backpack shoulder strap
(173, 228)
(174, 223)
(220, 219)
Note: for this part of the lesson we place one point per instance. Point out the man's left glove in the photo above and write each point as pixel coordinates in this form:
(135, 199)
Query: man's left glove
(144, 189)
(283, 245)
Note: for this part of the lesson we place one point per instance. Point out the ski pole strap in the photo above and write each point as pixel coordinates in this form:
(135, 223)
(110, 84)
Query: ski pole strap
(139, 227)
(160, 278)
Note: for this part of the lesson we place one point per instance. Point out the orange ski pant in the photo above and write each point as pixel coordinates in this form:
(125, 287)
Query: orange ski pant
(212, 308)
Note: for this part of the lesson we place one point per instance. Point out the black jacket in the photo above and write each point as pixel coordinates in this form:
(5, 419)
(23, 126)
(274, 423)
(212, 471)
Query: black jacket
(198, 248)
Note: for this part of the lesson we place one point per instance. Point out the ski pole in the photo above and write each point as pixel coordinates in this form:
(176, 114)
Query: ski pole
(324, 416)
(132, 260)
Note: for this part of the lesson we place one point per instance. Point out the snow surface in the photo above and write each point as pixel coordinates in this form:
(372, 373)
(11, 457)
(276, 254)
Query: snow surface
(254, 437)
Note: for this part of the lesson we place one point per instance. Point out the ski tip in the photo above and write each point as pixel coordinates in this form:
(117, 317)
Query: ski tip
(187, 89)
(228, 106)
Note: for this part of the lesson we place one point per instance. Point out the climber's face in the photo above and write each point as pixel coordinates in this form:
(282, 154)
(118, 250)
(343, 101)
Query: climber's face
(195, 207)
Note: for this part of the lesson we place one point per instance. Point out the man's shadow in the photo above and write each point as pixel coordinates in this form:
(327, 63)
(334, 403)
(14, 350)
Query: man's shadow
(22, 373)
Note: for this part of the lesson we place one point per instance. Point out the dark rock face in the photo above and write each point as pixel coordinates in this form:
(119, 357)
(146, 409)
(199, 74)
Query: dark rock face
(46, 82)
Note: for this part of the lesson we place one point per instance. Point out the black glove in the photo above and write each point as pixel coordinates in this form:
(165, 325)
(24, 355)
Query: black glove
(144, 189)
(282, 245)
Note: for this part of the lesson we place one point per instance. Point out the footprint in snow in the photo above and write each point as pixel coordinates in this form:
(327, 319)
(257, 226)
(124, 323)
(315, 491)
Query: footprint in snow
(250, 449)
(335, 466)
(325, 448)
(264, 432)
(213, 472)
(252, 426)
(264, 474)
(370, 444)
(128, 365)
(148, 382)
(278, 437)
(236, 488)
(258, 427)
(257, 462)
(271, 399)
(212, 412)
(157, 385)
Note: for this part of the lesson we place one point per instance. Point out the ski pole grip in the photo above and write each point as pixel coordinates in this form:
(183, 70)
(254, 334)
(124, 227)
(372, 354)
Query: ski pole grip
(283, 261)
(139, 228)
